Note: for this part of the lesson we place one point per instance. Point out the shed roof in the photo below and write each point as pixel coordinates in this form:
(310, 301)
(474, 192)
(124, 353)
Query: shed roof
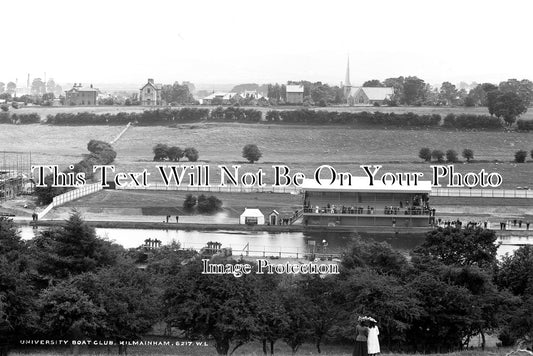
(362, 184)
(248, 212)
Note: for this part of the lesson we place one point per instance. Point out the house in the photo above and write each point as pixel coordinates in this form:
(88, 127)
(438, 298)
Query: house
(369, 95)
(219, 98)
(251, 94)
(150, 94)
(252, 217)
(79, 95)
(295, 94)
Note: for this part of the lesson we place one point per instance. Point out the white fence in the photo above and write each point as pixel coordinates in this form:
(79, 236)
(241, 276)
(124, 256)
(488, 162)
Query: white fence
(71, 195)
(481, 193)
(215, 189)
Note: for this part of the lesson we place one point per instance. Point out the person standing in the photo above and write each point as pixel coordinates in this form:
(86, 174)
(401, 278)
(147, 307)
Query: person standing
(361, 338)
(372, 339)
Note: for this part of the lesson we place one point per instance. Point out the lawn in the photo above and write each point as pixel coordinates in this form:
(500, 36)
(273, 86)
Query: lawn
(302, 148)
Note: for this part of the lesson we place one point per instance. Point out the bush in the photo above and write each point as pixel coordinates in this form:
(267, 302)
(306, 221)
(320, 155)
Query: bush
(437, 154)
(174, 153)
(192, 154)
(451, 156)
(208, 205)
(160, 152)
(190, 202)
(251, 152)
(4, 107)
(425, 154)
(468, 154)
(525, 125)
(520, 156)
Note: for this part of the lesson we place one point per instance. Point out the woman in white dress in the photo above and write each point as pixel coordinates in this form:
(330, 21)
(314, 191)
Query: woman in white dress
(372, 339)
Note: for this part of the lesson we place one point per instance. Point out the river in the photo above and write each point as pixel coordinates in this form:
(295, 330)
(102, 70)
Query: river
(259, 243)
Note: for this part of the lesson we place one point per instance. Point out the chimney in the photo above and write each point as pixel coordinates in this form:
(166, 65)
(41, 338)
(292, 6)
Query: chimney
(150, 80)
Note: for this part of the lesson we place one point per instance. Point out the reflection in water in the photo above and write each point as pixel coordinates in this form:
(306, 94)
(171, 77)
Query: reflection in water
(259, 242)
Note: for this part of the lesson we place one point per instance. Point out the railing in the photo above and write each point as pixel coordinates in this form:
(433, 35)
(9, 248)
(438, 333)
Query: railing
(69, 196)
(482, 193)
(214, 189)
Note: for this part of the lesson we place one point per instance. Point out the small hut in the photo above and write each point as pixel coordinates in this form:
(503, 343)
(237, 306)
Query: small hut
(252, 217)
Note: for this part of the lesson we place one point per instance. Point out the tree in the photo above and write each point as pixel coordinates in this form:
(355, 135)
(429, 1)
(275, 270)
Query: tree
(372, 83)
(520, 156)
(160, 152)
(508, 105)
(191, 153)
(523, 88)
(461, 247)
(11, 88)
(4, 107)
(468, 154)
(515, 271)
(190, 202)
(72, 249)
(448, 93)
(414, 91)
(437, 154)
(128, 297)
(219, 306)
(451, 156)
(208, 205)
(299, 312)
(67, 312)
(174, 153)
(251, 152)
(425, 154)
(38, 87)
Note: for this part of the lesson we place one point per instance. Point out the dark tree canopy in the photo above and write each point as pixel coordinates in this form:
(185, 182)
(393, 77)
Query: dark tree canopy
(251, 152)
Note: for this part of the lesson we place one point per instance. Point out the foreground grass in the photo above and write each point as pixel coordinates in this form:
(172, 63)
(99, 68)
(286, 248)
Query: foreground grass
(252, 350)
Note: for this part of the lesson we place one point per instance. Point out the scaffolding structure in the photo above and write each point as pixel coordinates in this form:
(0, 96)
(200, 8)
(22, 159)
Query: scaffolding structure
(15, 174)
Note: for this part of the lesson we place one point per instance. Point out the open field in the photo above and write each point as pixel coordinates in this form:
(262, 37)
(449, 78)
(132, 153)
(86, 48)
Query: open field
(423, 110)
(302, 148)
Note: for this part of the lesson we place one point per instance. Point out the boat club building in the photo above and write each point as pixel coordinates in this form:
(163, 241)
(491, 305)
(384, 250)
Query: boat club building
(387, 207)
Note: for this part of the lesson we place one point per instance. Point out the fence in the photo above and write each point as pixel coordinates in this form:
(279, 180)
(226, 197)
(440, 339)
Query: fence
(436, 192)
(481, 193)
(215, 189)
(69, 196)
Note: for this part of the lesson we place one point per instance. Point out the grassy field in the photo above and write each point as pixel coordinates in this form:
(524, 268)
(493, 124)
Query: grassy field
(302, 148)
(249, 349)
(443, 111)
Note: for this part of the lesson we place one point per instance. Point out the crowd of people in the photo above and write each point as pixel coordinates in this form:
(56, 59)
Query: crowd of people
(515, 224)
(387, 210)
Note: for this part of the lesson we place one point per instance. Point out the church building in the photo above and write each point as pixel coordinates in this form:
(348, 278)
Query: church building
(365, 96)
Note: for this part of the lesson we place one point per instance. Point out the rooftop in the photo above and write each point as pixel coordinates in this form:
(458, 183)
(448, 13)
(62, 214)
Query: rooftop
(362, 184)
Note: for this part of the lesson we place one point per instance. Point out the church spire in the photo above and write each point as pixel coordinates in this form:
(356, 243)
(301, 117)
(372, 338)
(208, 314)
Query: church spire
(347, 79)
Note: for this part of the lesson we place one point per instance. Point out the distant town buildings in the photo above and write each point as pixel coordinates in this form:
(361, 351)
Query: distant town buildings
(219, 98)
(79, 95)
(364, 95)
(295, 94)
(369, 95)
(150, 94)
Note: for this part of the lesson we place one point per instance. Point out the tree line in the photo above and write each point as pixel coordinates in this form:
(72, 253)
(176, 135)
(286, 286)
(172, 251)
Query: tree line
(68, 283)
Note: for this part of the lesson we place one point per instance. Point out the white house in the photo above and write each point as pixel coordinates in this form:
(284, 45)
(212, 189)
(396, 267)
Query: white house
(252, 217)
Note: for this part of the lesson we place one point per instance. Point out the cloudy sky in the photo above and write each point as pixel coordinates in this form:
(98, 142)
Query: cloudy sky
(236, 41)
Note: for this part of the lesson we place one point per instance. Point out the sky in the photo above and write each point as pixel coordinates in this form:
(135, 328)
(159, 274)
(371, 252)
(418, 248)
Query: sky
(247, 41)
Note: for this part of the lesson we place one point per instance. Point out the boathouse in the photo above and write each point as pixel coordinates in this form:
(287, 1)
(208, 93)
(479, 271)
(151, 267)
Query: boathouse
(387, 207)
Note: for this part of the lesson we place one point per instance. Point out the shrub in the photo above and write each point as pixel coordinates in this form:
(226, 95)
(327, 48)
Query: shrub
(437, 154)
(520, 156)
(451, 156)
(425, 154)
(174, 153)
(160, 152)
(190, 202)
(208, 205)
(468, 154)
(251, 152)
(4, 107)
(192, 154)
